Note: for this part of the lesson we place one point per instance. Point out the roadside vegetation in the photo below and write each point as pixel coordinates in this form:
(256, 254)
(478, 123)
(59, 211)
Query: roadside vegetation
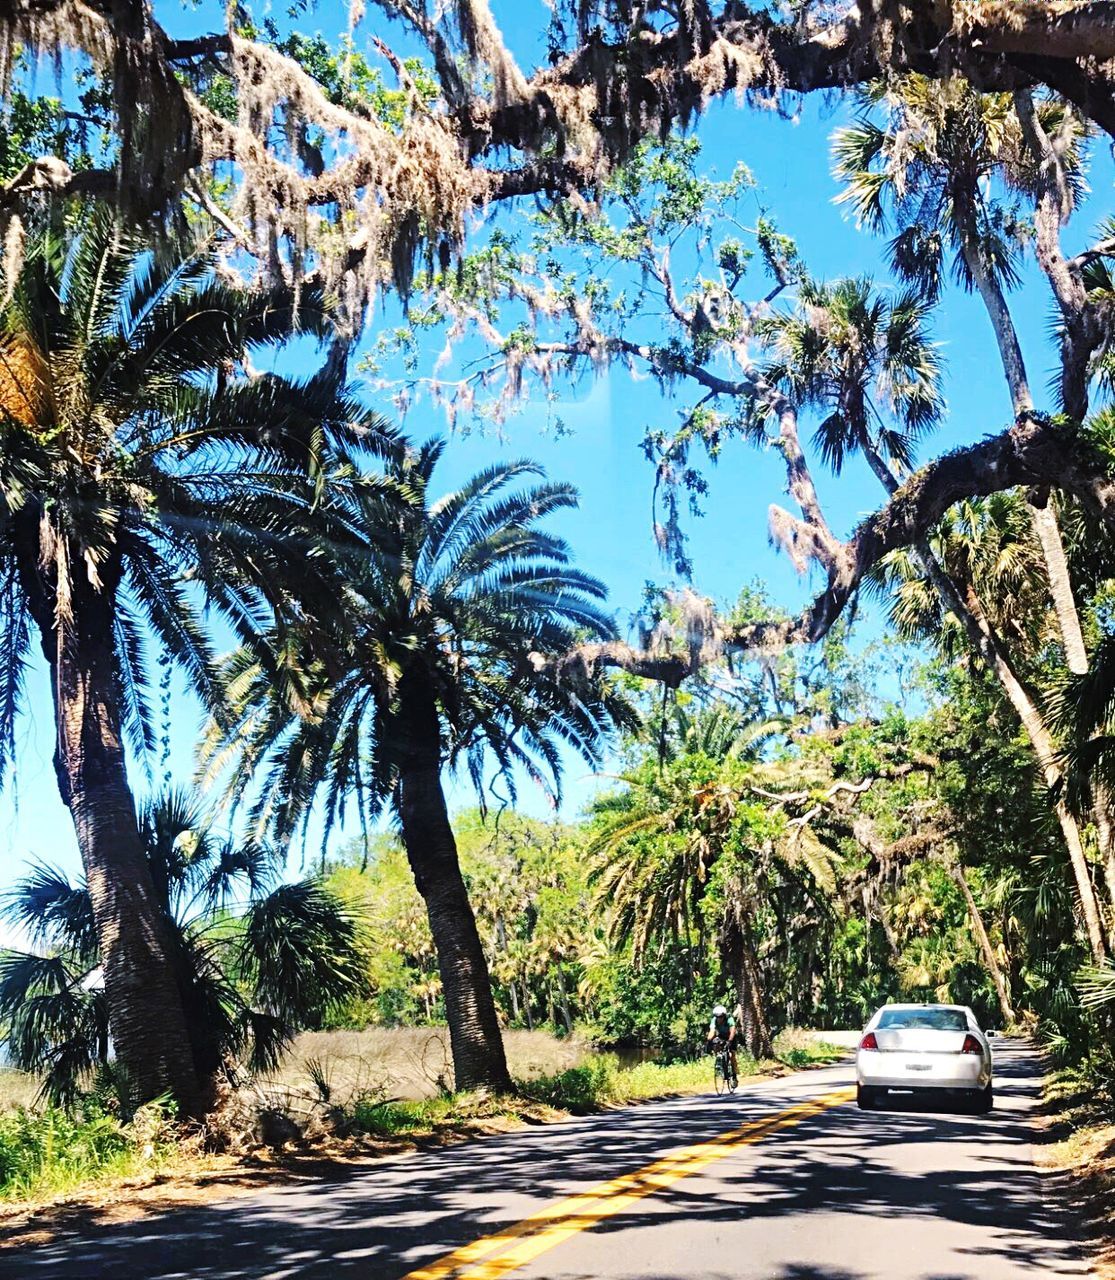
(1077, 1148)
(341, 1099)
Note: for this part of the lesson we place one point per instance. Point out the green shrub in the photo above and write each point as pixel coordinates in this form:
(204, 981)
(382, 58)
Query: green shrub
(576, 1088)
(601, 1081)
(49, 1150)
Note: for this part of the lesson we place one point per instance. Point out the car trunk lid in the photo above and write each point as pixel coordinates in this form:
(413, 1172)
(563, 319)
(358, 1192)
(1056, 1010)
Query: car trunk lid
(919, 1040)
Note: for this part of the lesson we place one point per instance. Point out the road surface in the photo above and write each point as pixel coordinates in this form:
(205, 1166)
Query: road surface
(787, 1180)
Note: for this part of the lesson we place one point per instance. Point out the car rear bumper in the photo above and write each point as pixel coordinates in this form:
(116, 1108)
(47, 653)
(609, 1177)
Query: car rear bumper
(940, 1072)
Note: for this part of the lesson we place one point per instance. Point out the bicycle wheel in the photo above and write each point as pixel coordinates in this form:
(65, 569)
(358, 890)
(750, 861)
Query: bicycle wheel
(719, 1075)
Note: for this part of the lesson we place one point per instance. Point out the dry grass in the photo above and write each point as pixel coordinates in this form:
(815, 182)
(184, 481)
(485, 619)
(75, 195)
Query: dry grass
(1085, 1165)
(17, 1089)
(412, 1062)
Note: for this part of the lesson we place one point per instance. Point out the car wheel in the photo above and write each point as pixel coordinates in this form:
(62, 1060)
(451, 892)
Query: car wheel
(985, 1100)
(865, 1098)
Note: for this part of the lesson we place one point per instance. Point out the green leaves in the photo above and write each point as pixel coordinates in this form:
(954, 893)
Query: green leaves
(300, 952)
(864, 360)
(256, 962)
(466, 596)
(142, 460)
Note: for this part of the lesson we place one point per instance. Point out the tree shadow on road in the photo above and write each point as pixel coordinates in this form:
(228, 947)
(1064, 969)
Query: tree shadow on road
(385, 1221)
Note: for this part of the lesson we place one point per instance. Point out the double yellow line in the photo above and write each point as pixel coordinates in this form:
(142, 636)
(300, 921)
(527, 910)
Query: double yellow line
(516, 1245)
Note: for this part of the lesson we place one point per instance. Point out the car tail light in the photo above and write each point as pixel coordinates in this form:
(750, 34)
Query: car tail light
(971, 1045)
(869, 1041)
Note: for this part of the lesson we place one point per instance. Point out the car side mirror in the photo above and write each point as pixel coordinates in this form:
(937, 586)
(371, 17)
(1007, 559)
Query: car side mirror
(991, 1034)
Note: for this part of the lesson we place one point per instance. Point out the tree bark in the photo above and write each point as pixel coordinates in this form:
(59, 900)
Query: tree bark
(988, 952)
(527, 1013)
(479, 1060)
(1076, 655)
(1072, 299)
(1048, 531)
(145, 1004)
(566, 1016)
(1046, 752)
(741, 962)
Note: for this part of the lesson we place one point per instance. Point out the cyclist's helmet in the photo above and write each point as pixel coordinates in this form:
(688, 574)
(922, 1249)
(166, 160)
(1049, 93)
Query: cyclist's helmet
(720, 1012)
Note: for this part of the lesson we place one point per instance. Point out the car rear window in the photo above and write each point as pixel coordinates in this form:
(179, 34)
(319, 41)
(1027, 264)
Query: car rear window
(922, 1020)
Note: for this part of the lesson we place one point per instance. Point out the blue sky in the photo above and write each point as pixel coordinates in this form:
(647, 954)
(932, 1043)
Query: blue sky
(611, 532)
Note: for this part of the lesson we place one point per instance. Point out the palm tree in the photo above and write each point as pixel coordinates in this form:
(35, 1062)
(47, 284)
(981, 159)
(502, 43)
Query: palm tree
(938, 165)
(932, 158)
(255, 960)
(446, 613)
(140, 472)
(864, 361)
(875, 380)
(688, 844)
(932, 167)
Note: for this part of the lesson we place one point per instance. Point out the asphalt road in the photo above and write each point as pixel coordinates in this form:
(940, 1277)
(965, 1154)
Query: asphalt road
(805, 1187)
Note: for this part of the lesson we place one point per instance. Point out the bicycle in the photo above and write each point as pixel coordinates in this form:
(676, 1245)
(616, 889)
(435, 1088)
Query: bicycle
(723, 1073)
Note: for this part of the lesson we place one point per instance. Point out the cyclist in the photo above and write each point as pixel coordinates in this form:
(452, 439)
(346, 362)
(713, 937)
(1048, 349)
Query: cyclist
(722, 1031)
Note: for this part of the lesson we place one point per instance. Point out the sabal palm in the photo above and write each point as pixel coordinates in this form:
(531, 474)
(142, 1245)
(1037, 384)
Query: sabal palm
(862, 360)
(944, 165)
(255, 960)
(140, 475)
(431, 655)
(933, 160)
(990, 543)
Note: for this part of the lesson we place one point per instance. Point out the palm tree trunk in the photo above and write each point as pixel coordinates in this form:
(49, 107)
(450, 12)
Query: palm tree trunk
(1045, 750)
(1048, 532)
(146, 1014)
(479, 1060)
(742, 964)
(995, 303)
(566, 1016)
(988, 952)
(501, 942)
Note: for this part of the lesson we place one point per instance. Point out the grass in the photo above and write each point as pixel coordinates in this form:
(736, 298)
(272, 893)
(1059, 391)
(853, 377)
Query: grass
(587, 1086)
(602, 1082)
(798, 1048)
(410, 1063)
(17, 1089)
(1079, 1147)
(597, 1081)
(47, 1152)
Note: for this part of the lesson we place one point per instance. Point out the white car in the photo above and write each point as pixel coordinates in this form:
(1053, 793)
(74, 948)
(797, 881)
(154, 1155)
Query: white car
(922, 1049)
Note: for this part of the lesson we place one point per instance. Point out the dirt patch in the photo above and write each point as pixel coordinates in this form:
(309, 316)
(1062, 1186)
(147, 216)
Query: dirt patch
(1081, 1169)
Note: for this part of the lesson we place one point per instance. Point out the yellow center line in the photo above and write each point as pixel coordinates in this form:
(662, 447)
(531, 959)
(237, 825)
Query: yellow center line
(542, 1231)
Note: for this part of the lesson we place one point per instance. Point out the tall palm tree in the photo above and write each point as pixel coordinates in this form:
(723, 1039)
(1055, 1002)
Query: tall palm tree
(688, 845)
(256, 960)
(938, 165)
(990, 545)
(140, 471)
(939, 162)
(432, 653)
